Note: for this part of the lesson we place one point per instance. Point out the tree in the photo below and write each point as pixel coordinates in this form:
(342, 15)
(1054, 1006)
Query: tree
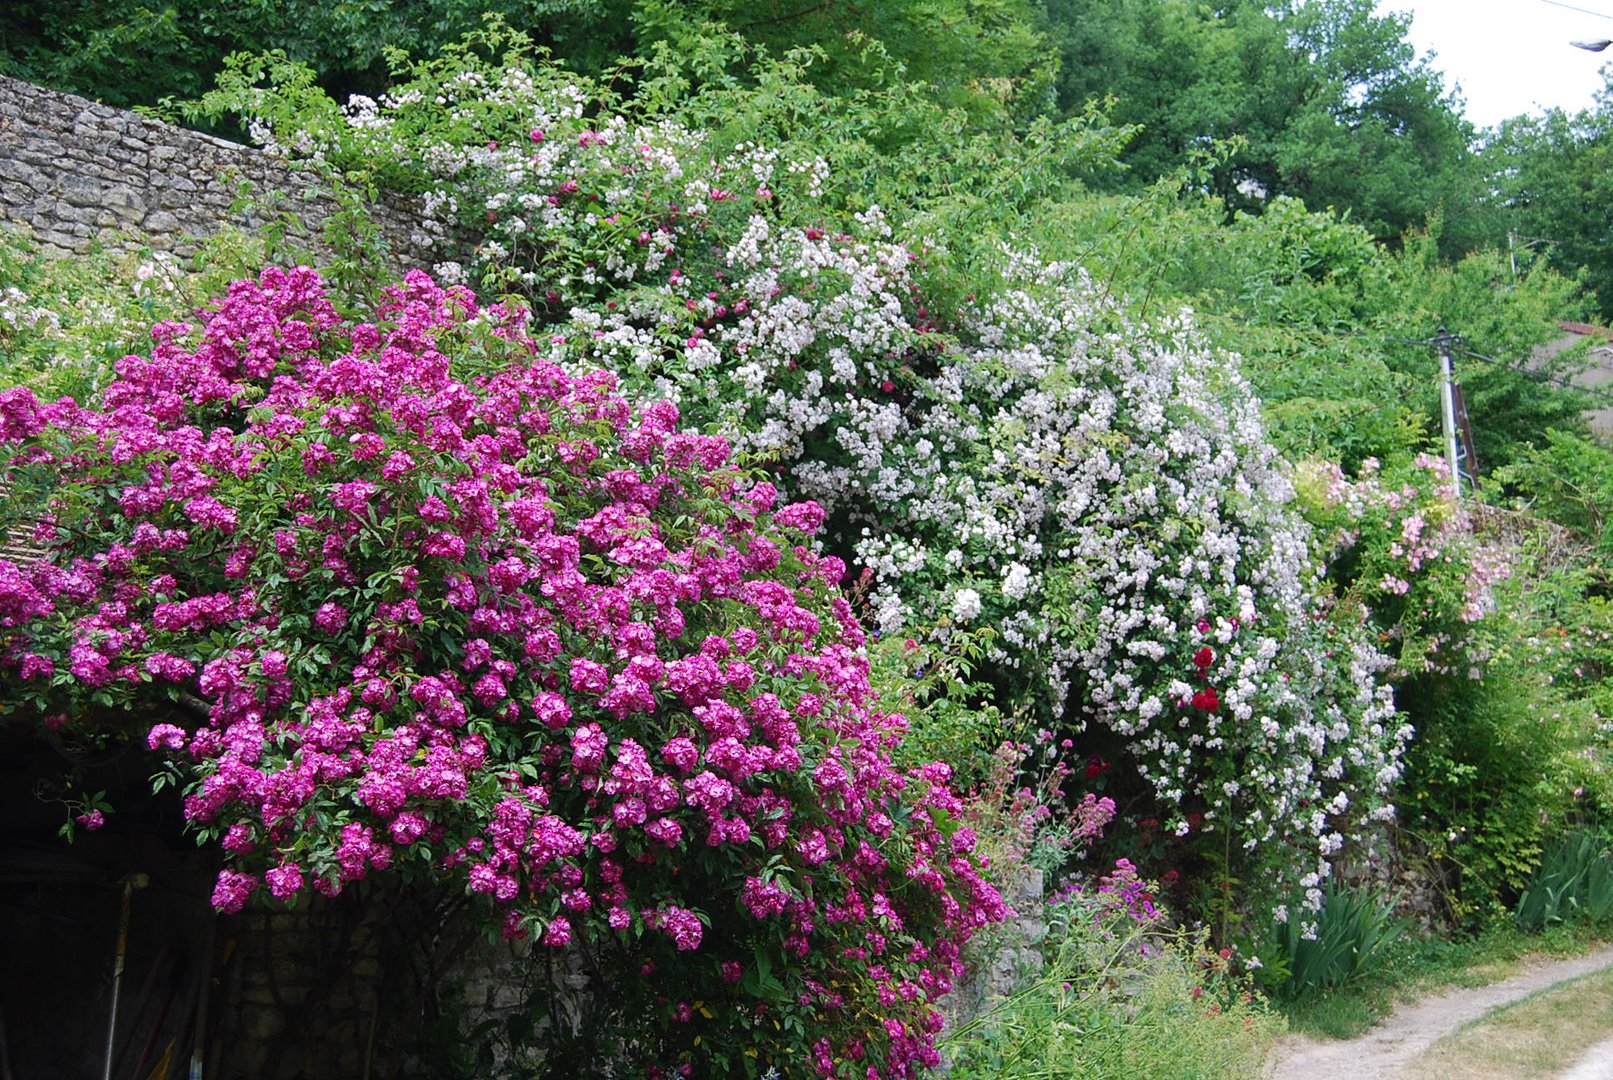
(984, 55)
(1327, 102)
(1553, 178)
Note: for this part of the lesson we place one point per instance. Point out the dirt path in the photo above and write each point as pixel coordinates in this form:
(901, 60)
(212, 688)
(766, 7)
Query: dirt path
(1381, 1053)
(1597, 1064)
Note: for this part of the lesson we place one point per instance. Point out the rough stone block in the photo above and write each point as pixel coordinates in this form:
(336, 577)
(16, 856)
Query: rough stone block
(77, 191)
(262, 1024)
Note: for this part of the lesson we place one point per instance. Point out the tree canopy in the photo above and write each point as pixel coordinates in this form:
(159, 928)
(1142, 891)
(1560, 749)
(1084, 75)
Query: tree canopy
(1327, 101)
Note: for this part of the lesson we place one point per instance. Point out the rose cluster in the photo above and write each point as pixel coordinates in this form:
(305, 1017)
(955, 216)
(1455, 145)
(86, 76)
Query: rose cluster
(1405, 547)
(424, 601)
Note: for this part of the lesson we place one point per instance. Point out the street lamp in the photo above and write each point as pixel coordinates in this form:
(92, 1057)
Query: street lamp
(1592, 46)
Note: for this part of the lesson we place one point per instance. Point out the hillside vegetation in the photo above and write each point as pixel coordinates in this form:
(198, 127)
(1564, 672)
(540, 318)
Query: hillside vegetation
(859, 458)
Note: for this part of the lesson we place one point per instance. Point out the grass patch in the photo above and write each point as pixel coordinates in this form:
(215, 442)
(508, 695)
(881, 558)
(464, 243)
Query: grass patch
(1118, 998)
(1542, 1035)
(1163, 1024)
(1416, 965)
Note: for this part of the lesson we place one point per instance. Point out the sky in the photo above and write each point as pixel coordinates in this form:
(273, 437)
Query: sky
(1511, 56)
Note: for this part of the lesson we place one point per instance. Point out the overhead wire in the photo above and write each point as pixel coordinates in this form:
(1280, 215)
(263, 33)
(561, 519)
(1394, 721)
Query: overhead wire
(1595, 394)
(1582, 11)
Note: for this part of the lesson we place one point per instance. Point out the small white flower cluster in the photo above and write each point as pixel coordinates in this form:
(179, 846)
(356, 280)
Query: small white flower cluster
(18, 311)
(965, 605)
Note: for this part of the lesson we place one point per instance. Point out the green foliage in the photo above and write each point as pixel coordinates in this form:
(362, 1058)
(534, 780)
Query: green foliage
(1580, 663)
(936, 687)
(1116, 999)
(1334, 330)
(1499, 760)
(1349, 938)
(1568, 480)
(1574, 882)
(888, 142)
(138, 52)
(982, 56)
(1473, 605)
(1553, 178)
(1330, 101)
(65, 320)
(1512, 398)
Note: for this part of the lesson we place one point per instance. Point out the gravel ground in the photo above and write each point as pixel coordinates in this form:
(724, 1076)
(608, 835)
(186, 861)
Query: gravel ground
(1381, 1053)
(1597, 1064)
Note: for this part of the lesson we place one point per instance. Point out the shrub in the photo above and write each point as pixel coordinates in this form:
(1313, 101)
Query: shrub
(1475, 604)
(1349, 937)
(64, 322)
(1015, 453)
(429, 603)
(1398, 543)
(1574, 882)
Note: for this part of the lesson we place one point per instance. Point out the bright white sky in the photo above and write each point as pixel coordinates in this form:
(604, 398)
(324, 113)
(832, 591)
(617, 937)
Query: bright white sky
(1511, 56)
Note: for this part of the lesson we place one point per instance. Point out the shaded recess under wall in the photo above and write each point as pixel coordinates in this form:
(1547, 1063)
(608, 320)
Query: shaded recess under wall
(61, 913)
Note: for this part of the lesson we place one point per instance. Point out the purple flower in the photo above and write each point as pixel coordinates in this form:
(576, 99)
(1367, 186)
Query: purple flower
(551, 710)
(588, 748)
(681, 925)
(233, 890)
(331, 617)
(166, 735)
(589, 676)
(35, 666)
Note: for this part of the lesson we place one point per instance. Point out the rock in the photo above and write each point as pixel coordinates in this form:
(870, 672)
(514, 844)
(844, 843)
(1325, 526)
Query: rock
(69, 166)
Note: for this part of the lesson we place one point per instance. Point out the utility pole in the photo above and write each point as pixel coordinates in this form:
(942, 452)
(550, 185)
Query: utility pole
(1447, 399)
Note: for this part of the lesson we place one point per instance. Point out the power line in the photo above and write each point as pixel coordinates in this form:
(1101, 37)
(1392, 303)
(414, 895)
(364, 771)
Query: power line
(1582, 11)
(1595, 393)
(1345, 419)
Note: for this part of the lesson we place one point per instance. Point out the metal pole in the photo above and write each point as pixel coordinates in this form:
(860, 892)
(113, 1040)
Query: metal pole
(1447, 400)
(198, 1053)
(130, 884)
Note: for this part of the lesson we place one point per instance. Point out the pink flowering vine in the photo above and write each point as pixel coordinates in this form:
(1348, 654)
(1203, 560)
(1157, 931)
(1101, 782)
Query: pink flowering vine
(410, 597)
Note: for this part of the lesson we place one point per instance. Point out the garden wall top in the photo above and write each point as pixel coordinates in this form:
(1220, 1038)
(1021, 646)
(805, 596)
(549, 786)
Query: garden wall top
(74, 172)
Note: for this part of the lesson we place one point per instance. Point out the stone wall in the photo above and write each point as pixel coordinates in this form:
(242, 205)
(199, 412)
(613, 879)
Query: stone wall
(73, 172)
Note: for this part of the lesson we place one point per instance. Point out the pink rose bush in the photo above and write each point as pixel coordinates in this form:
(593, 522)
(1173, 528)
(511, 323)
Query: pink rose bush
(409, 596)
(1404, 548)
